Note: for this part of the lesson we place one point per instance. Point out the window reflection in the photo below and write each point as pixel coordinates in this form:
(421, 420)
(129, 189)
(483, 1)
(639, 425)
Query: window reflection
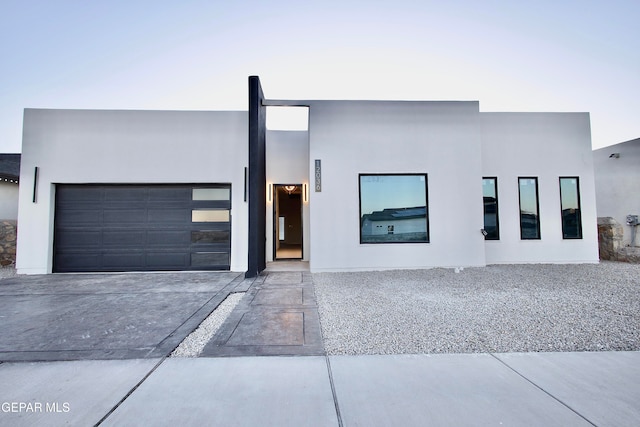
(490, 197)
(209, 215)
(570, 205)
(393, 209)
(529, 212)
(210, 194)
(210, 236)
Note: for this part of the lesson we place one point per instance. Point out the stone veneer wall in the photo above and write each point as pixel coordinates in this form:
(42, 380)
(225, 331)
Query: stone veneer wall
(8, 233)
(610, 234)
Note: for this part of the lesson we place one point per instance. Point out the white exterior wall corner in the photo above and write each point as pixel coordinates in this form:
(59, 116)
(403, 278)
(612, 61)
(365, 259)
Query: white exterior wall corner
(441, 139)
(287, 154)
(137, 147)
(547, 146)
(618, 184)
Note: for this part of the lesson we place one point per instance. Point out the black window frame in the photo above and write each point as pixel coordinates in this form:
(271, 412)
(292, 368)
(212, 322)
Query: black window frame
(564, 237)
(426, 195)
(495, 182)
(539, 234)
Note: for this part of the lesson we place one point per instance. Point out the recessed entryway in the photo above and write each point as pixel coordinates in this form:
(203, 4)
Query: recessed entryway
(287, 218)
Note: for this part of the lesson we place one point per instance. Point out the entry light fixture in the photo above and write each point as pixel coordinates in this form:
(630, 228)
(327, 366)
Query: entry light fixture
(289, 188)
(269, 192)
(305, 192)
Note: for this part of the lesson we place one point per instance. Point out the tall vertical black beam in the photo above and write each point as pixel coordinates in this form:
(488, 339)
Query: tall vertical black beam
(257, 179)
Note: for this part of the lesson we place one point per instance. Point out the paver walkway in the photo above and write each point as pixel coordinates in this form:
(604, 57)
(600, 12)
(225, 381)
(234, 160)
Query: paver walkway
(277, 316)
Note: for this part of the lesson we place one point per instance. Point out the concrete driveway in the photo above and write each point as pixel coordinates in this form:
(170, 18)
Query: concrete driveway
(105, 316)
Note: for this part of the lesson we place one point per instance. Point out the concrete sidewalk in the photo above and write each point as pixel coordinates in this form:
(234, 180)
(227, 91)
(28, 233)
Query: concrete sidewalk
(563, 389)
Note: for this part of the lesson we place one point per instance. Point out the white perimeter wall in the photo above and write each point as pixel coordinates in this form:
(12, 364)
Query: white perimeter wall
(547, 146)
(441, 139)
(8, 200)
(287, 155)
(618, 184)
(146, 147)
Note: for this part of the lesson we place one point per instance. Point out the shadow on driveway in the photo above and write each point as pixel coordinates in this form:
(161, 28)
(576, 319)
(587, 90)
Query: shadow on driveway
(105, 316)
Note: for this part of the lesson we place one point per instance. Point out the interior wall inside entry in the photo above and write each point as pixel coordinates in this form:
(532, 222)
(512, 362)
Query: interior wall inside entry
(288, 230)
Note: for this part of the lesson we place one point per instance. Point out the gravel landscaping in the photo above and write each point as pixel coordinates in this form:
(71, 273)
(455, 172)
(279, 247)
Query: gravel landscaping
(500, 308)
(6, 272)
(195, 342)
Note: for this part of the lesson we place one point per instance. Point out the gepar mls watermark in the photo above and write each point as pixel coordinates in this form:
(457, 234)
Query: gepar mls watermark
(35, 407)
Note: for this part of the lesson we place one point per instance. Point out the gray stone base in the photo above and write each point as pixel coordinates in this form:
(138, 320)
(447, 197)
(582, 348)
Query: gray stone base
(8, 234)
(610, 234)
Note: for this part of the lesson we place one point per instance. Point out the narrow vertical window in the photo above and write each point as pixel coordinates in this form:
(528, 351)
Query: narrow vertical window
(529, 209)
(490, 198)
(570, 205)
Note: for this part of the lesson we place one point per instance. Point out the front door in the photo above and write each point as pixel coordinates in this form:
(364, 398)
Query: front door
(287, 221)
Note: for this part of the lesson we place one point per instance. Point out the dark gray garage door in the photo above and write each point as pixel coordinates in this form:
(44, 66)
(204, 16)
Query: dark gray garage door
(142, 227)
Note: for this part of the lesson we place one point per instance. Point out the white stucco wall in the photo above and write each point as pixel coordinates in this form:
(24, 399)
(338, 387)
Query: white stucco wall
(441, 139)
(547, 146)
(452, 142)
(8, 200)
(287, 155)
(91, 146)
(618, 184)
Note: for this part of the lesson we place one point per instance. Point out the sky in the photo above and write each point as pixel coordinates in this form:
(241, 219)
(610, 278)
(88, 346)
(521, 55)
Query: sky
(379, 192)
(549, 56)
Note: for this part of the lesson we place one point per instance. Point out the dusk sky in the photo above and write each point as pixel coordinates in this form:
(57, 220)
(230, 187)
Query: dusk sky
(381, 192)
(196, 55)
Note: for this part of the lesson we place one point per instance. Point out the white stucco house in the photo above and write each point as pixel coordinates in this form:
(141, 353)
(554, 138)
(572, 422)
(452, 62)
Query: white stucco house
(617, 177)
(370, 185)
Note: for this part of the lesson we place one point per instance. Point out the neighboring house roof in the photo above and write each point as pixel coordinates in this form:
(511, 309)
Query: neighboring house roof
(390, 214)
(10, 167)
(631, 142)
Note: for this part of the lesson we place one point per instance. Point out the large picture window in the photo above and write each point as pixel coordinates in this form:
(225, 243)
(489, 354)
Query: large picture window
(490, 198)
(529, 209)
(394, 208)
(570, 205)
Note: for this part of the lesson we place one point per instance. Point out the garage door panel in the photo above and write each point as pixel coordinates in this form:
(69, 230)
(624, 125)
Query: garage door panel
(124, 193)
(179, 195)
(199, 259)
(210, 215)
(85, 238)
(163, 216)
(178, 260)
(123, 260)
(124, 216)
(140, 227)
(78, 261)
(80, 217)
(168, 238)
(210, 236)
(211, 194)
(124, 238)
(82, 193)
